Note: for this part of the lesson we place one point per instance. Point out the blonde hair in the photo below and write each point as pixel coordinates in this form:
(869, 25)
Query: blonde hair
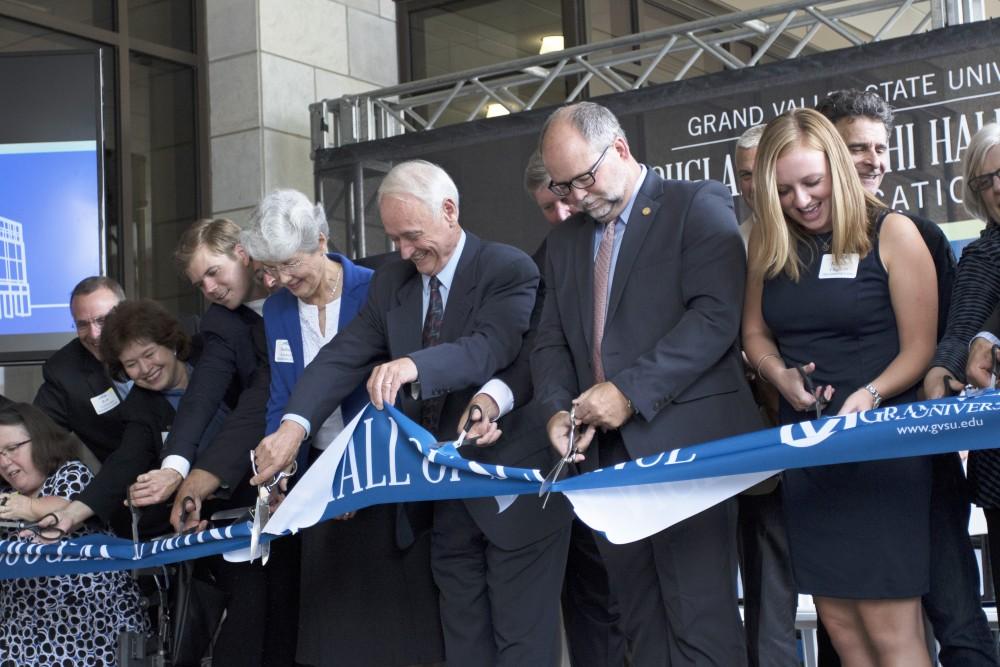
(220, 236)
(982, 143)
(852, 209)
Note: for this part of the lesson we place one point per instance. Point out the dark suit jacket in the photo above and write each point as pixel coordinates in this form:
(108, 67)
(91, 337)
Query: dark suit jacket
(672, 324)
(72, 376)
(232, 370)
(147, 416)
(485, 319)
(226, 367)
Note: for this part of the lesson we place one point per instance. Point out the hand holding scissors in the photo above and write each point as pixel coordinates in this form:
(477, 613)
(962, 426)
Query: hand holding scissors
(262, 509)
(46, 528)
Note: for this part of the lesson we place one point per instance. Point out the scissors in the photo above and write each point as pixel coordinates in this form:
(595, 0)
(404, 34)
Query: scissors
(475, 416)
(821, 401)
(262, 511)
(50, 532)
(996, 367)
(136, 515)
(571, 451)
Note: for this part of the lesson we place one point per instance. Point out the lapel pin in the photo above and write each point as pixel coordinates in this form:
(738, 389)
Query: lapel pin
(646, 210)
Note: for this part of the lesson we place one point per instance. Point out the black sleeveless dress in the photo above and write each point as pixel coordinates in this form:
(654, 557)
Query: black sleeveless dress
(856, 530)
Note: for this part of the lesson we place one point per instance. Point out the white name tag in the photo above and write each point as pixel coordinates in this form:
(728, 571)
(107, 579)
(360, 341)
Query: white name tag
(283, 352)
(105, 402)
(848, 268)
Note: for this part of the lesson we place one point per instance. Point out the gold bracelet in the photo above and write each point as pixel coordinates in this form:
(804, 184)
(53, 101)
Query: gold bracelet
(760, 363)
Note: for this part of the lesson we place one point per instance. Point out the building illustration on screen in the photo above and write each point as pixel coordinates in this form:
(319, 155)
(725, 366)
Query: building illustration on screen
(15, 295)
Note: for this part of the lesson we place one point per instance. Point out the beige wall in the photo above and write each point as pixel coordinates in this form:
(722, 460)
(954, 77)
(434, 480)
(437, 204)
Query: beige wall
(270, 59)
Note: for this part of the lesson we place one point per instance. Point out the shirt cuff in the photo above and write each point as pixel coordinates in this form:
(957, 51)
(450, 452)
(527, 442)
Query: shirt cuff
(993, 340)
(301, 421)
(178, 463)
(501, 395)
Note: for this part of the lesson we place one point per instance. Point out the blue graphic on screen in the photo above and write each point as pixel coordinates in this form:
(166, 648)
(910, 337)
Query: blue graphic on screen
(48, 217)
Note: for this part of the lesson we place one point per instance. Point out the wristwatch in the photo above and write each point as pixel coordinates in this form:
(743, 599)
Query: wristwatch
(875, 395)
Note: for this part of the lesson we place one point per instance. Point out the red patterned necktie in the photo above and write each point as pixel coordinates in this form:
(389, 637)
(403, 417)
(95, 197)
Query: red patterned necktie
(602, 273)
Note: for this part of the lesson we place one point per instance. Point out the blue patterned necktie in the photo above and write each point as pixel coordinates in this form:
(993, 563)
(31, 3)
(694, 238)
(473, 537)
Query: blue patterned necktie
(430, 409)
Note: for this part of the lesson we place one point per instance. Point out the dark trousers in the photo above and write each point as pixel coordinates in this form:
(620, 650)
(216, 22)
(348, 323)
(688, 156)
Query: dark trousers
(499, 607)
(952, 604)
(770, 598)
(590, 611)
(677, 589)
(261, 626)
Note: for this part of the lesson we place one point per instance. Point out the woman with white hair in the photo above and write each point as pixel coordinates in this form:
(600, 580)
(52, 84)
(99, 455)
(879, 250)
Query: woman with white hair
(356, 583)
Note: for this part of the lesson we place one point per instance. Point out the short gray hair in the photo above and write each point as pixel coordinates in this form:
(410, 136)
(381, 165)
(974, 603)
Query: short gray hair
(975, 156)
(751, 137)
(421, 179)
(595, 123)
(535, 174)
(283, 223)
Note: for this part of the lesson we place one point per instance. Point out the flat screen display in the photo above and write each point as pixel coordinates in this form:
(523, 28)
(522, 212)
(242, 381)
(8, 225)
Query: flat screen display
(51, 222)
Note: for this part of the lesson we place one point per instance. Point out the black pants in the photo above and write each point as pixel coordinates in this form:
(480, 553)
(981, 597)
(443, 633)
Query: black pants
(262, 617)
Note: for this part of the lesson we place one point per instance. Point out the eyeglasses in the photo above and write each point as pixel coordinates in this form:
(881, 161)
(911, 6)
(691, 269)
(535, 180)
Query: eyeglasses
(276, 270)
(8, 451)
(83, 325)
(983, 181)
(581, 182)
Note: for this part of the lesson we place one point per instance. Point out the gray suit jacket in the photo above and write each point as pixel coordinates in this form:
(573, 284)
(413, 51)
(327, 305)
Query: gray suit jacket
(672, 324)
(485, 319)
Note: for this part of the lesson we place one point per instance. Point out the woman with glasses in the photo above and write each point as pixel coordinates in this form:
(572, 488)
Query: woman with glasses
(975, 296)
(842, 298)
(69, 619)
(362, 601)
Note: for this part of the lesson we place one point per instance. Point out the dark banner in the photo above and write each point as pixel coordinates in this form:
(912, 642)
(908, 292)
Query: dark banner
(944, 85)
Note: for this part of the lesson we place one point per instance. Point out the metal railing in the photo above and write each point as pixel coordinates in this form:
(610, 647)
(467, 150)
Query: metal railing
(781, 31)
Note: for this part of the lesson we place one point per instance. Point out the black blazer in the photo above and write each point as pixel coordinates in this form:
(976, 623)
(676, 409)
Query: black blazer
(147, 417)
(72, 376)
(233, 360)
(485, 319)
(670, 338)
(227, 456)
(993, 323)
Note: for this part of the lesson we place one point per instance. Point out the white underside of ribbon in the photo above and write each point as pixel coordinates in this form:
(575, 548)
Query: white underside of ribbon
(629, 513)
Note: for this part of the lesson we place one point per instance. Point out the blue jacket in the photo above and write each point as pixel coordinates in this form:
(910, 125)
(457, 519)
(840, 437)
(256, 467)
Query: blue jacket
(281, 322)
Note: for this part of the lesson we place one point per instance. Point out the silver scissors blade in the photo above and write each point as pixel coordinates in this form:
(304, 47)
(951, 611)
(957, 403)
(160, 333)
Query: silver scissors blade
(259, 519)
(546, 488)
(136, 514)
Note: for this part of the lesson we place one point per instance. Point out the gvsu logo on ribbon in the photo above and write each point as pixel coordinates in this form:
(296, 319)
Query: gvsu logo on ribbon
(383, 457)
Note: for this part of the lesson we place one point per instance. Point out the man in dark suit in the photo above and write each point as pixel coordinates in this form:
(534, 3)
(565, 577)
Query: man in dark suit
(77, 392)
(590, 612)
(864, 121)
(443, 319)
(662, 265)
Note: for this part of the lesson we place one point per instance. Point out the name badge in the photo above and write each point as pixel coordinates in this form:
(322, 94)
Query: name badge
(106, 401)
(283, 352)
(848, 268)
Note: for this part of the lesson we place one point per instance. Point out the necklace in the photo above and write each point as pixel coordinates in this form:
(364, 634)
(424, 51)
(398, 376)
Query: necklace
(823, 241)
(336, 283)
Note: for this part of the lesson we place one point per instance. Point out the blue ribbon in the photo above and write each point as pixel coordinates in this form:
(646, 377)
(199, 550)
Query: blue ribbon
(389, 458)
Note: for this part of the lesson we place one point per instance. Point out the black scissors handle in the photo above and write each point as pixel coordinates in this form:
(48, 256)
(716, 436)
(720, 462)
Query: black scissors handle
(51, 531)
(820, 402)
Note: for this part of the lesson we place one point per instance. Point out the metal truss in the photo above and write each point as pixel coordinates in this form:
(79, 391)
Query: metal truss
(766, 34)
